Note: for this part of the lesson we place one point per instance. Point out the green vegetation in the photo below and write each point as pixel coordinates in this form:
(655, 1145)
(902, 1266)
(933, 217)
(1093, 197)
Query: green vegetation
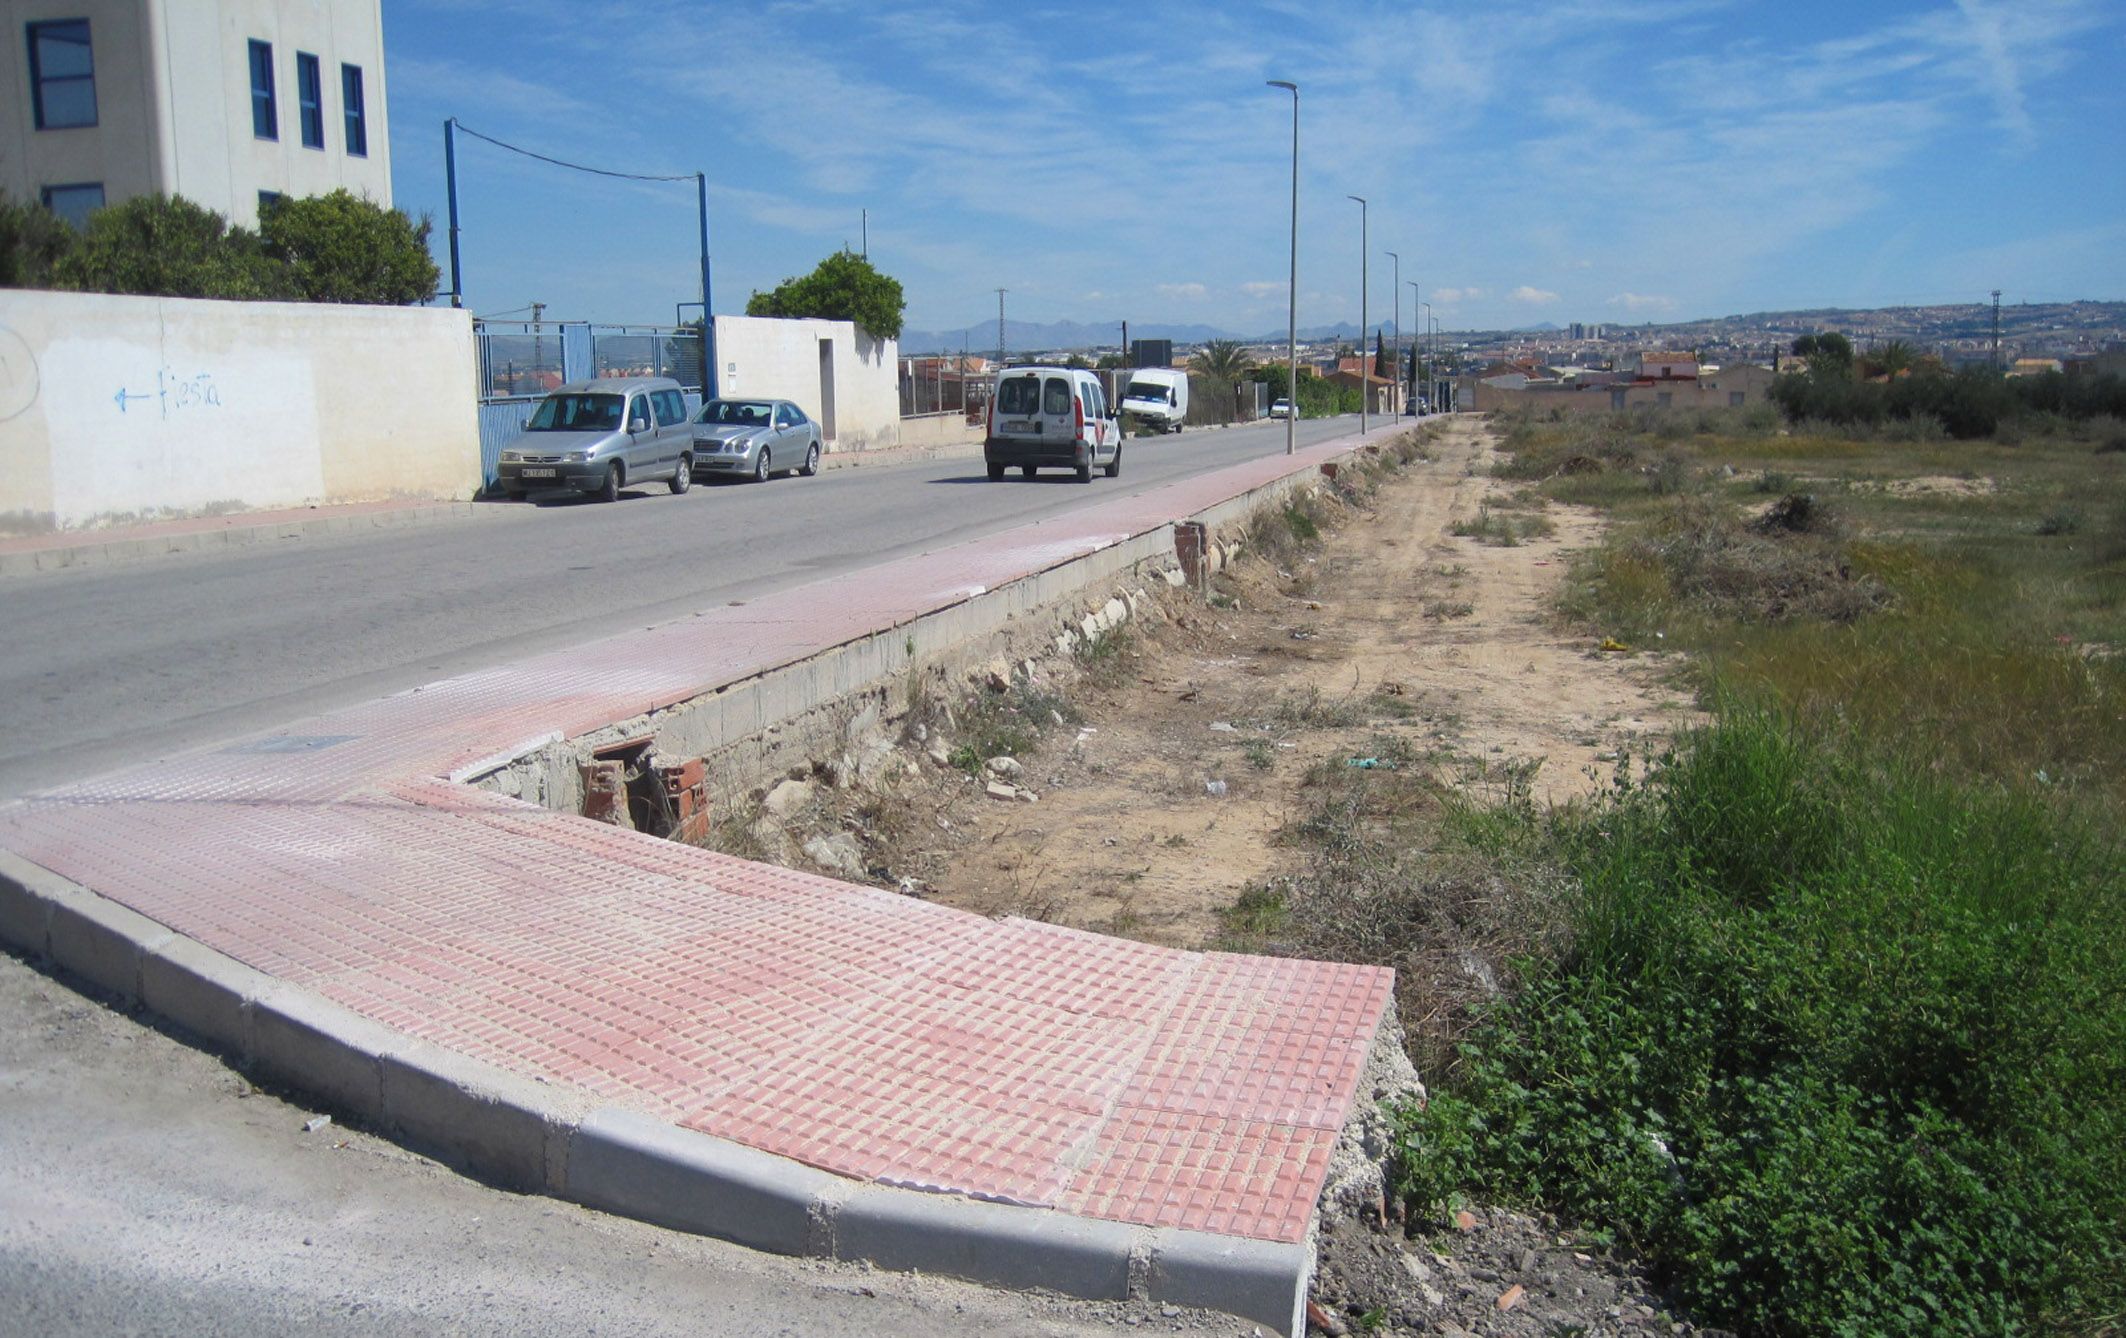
(1824, 1015)
(1836, 1046)
(843, 287)
(1916, 391)
(1221, 365)
(327, 248)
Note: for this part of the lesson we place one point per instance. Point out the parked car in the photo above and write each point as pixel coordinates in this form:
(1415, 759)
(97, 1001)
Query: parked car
(1051, 417)
(601, 436)
(1281, 409)
(755, 437)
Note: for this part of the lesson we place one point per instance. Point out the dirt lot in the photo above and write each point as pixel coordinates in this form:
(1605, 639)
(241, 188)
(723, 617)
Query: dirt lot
(1393, 628)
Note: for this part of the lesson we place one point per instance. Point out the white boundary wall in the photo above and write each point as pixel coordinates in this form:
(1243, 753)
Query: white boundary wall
(127, 407)
(778, 358)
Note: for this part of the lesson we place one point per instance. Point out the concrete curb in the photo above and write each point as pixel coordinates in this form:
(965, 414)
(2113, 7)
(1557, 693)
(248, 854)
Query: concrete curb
(531, 1136)
(119, 547)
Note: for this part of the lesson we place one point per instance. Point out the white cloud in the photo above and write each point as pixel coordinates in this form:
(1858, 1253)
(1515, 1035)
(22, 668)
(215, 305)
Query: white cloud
(1262, 289)
(1531, 296)
(1444, 297)
(1643, 302)
(1187, 290)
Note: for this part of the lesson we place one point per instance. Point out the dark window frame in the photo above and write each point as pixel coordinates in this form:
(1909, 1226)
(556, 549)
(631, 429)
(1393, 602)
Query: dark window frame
(310, 99)
(265, 111)
(32, 32)
(44, 197)
(354, 113)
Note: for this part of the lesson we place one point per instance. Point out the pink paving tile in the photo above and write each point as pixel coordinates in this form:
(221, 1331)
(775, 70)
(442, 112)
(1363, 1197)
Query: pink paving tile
(871, 1034)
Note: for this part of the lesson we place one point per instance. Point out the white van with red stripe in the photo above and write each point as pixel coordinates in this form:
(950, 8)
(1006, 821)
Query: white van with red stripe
(1051, 418)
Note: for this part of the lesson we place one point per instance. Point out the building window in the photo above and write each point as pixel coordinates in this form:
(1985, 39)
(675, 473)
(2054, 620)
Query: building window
(266, 200)
(351, 98)
(74, 203)
(310, 100)
(265, 122)
(62, 74)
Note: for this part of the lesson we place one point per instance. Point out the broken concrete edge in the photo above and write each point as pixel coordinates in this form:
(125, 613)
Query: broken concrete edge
(98, 552)
(528, 1135)
(543, 770)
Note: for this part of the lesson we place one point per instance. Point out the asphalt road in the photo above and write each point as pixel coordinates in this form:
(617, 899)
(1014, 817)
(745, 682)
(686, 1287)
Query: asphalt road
(102, 667)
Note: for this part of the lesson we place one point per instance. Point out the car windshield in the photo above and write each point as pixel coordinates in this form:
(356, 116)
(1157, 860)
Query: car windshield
(1146, 390)
(736, 413)
(576, 413)
(1020, 395)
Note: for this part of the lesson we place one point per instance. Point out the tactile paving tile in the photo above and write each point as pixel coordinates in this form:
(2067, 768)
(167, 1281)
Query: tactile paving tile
(870, 1034)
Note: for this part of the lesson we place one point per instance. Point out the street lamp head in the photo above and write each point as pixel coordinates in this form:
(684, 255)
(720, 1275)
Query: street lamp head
(1283, 83)
(1360, 198)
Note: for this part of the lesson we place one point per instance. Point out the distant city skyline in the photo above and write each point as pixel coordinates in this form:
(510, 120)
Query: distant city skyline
(1601, 163)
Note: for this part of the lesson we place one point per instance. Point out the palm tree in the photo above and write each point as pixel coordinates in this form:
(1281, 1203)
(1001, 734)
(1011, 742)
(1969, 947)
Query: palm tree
(1223, 362)
(1890, 360)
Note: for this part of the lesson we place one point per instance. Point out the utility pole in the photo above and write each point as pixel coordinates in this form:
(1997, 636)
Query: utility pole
(1996, 329)
(538, 344)
(1365, 381)
(1395, 291)
(450, 186)
(1000, 328)
(1291, 293)
(867, 233)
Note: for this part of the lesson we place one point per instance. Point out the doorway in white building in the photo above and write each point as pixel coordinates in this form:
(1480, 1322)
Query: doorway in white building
(826, 389)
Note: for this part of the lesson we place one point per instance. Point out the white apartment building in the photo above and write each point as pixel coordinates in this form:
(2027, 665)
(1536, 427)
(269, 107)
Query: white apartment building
(229, 103)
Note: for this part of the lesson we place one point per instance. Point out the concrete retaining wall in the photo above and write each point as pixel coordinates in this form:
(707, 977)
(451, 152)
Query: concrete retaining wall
(145, 407)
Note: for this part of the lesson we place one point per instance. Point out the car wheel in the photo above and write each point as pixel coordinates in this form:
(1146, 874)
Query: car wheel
(761, 467)
(683, 476)
(1114, 466)
(1028, 471)
(811, 461)
(996, 473)
(610, 491)
(515, 496)
(1085, 468)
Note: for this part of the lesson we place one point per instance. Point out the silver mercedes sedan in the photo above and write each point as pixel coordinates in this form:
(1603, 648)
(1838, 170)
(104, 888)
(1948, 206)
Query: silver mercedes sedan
(754, 437)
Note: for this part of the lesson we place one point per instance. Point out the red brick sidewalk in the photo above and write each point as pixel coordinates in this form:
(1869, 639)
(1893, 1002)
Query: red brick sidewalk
(865, 1033)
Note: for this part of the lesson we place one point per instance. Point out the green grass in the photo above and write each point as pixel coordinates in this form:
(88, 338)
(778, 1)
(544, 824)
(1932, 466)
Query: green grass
(1837, 1047)
(1824, 1017)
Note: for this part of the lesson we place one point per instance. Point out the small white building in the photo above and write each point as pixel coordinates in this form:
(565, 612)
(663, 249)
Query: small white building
(225, 102)
(848, 381)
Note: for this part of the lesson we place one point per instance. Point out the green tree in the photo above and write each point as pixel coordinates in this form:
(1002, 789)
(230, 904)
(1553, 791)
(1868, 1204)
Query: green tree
(167, 246)
(344, 248)
(32, 241)
(1829, 355)
(1223, 363)
(1077, 360)
(844, 287)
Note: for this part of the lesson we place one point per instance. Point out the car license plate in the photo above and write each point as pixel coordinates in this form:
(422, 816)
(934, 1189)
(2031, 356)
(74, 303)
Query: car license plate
(1019, 425)
(538, 473)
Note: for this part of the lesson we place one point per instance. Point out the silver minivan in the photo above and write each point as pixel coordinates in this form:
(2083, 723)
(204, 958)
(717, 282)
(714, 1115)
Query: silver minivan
(601, 436)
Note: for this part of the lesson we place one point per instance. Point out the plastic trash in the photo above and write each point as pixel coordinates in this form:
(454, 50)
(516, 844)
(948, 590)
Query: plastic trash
(1215, 789)
(1370, 764)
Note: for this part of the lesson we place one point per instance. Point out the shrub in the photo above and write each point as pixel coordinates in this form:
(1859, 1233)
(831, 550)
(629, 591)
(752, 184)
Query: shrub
(1836, 1047)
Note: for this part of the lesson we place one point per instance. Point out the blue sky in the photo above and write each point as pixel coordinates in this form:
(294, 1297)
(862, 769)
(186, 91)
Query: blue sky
(1563, 161)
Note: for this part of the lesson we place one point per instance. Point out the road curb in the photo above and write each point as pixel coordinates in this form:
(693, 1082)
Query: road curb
(117, 547)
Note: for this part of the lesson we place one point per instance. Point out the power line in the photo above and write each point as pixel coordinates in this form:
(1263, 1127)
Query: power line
(579, 167)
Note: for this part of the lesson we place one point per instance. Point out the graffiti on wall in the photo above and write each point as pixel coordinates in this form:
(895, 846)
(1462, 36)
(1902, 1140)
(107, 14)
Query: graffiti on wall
(173, 393)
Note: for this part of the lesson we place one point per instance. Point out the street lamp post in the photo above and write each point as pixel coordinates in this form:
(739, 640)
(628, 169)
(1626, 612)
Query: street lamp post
(1395, 291)
(1417, 335)
(1291, 334)
(1365, 382)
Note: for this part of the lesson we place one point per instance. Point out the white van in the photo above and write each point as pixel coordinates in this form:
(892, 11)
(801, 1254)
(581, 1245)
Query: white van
(1157, 395)
(1054, 418)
